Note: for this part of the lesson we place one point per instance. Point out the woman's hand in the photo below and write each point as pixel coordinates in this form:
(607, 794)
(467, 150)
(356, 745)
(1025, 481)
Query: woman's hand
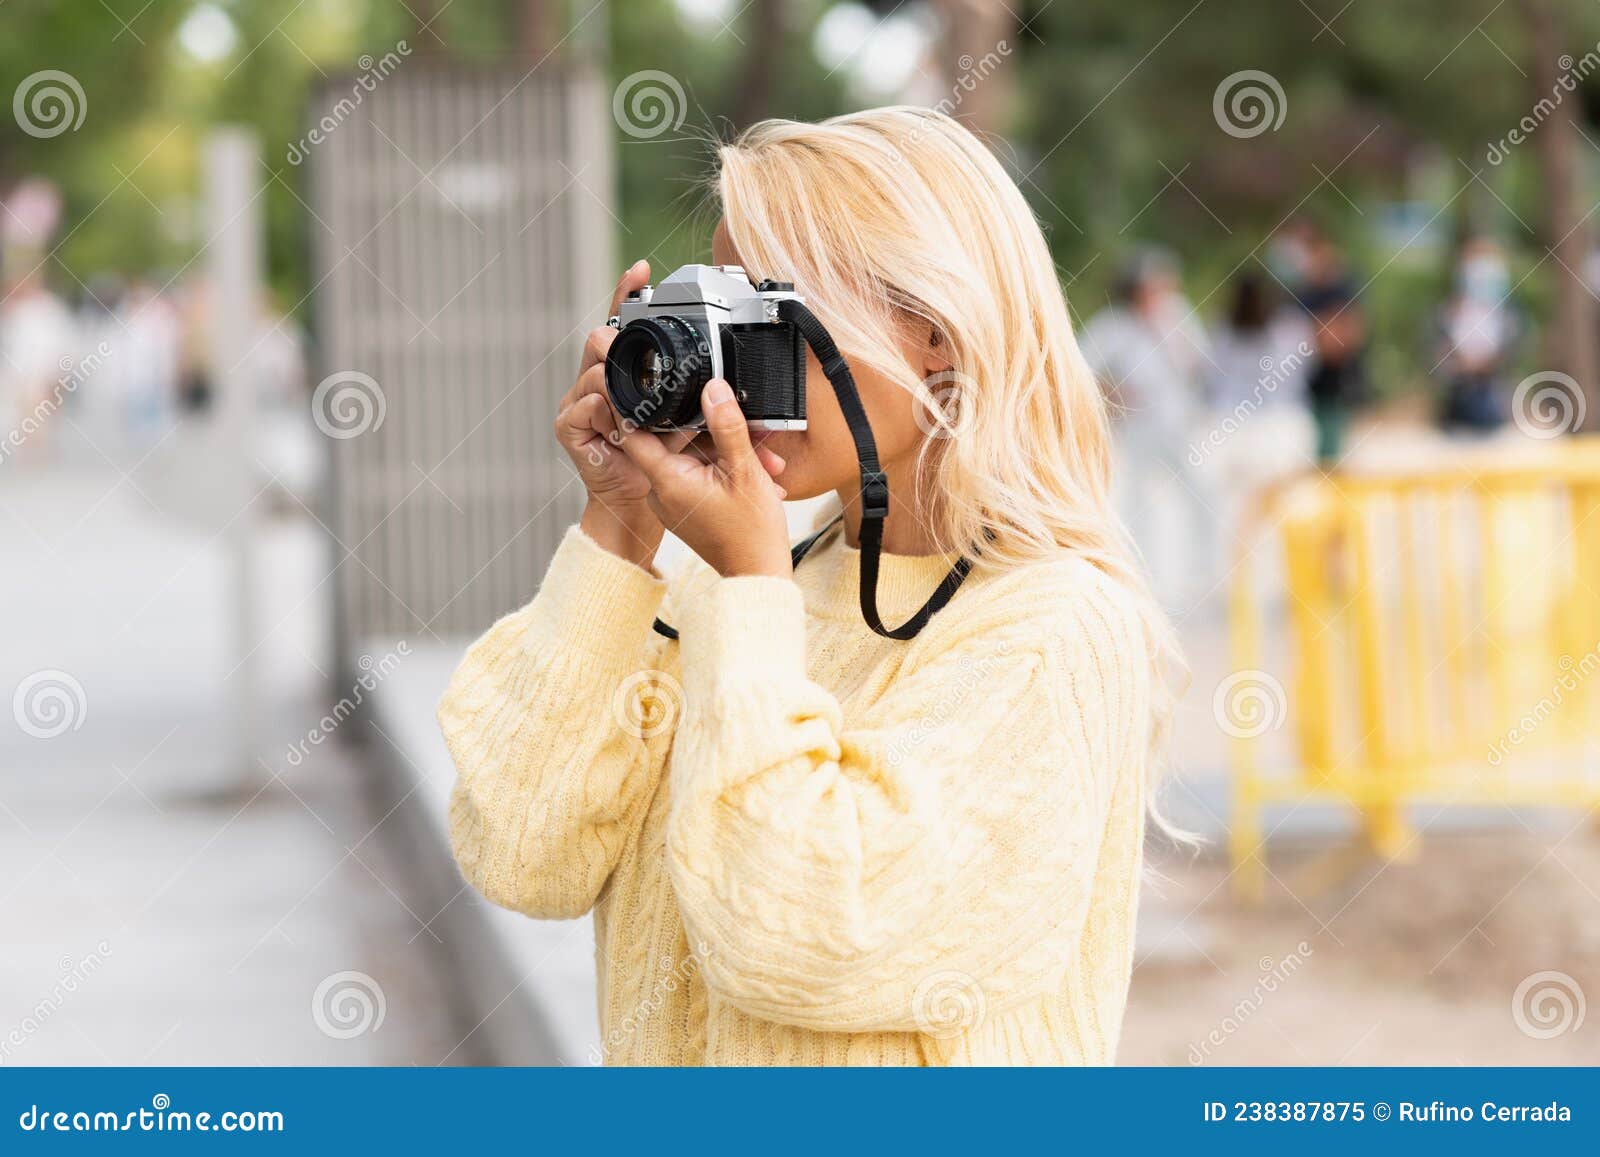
(618, 515)
(730, 510)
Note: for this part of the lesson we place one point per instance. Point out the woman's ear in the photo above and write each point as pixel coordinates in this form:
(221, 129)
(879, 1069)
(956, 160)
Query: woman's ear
(934, 360)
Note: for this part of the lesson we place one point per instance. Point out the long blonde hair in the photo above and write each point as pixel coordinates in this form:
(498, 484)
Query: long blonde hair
(899, 215)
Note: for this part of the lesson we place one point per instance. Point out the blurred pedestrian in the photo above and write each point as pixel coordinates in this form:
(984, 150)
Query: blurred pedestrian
(1289, 254)
(97, 399)
(288, 446)
(194, 361)
(38, 344)
(1477, 331)
(151, 337)
(1150, 355)
(1261, 426)
(1336, 382)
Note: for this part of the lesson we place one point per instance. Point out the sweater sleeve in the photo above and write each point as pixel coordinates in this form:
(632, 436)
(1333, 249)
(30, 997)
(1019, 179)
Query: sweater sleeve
(558, 726)
(921, 866)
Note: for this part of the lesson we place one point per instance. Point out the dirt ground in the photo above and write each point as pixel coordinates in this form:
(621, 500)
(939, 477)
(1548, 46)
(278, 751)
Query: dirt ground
(1482, 950)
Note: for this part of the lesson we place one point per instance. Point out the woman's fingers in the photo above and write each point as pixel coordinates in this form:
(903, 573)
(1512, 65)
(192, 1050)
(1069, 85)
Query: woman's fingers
(729, 430)
(598, 342)
(583, 420)
(651, 455)
(597, 412)
(772, 463)
(681, 481)
(595, 347)
(591, 369)
(592, 382)
(636, 276)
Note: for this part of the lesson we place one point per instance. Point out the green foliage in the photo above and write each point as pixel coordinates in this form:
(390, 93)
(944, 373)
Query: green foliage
(114, 54)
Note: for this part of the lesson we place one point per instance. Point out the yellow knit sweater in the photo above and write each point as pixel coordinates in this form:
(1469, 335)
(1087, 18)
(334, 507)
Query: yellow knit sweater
(804, 843)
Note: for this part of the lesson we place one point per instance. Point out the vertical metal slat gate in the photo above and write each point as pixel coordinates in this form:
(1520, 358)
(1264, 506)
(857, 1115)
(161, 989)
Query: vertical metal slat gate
(463, 246)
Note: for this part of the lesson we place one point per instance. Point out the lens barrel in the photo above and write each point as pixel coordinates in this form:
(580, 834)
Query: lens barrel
(655, 370)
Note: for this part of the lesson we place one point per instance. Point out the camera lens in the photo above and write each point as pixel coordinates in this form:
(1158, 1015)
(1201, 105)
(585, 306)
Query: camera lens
(655, 371)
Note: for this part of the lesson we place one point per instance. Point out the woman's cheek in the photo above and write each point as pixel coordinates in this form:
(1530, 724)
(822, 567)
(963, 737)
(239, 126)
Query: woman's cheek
(790, 445)
(810, 465)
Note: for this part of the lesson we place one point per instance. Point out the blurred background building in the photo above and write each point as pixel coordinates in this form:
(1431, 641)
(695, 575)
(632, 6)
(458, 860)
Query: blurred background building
(287, 292)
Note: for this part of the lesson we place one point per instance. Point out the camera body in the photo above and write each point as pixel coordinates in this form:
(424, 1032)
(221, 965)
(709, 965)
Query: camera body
(703, 322)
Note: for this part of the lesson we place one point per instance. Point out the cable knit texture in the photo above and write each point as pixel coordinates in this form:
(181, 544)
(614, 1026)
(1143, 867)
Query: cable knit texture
(806, 844)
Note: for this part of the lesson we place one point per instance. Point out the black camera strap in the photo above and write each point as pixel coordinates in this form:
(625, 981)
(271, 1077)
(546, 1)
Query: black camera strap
(874, 487)
(874, 483)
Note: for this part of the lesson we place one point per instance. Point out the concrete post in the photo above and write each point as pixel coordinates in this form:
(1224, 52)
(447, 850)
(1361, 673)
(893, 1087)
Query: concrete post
(234, 263)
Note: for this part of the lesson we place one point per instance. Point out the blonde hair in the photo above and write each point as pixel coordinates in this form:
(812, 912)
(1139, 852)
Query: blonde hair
(899, 215)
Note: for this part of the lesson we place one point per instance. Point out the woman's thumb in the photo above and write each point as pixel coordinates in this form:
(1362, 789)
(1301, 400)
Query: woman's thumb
(729, 431)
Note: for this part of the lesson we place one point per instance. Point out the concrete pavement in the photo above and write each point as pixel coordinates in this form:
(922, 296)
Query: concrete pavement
(165, 901)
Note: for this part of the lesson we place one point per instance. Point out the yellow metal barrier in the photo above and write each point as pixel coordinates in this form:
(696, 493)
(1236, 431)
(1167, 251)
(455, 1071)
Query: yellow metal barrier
(1440, 628)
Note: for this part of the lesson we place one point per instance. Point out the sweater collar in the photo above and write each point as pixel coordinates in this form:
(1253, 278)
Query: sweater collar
(830, 579)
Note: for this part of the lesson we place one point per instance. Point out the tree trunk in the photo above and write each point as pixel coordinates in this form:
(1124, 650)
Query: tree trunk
(536, 27)
(1571, 338)
(429, 33)
(763, 36)
(979, 48)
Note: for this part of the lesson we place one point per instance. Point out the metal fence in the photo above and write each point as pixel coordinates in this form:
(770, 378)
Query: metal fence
(1443, 644)
(463, 245)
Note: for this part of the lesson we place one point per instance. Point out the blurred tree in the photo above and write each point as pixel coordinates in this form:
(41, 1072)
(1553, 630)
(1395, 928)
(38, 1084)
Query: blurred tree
(1128, 133)
(667, 206)
(764, 28)
(1571, 337)
(978, 38)
(537, 31)
(113, 58)
(426, 31)
(75, 80)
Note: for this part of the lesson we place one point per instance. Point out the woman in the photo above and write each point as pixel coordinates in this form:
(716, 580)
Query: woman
(805, 843)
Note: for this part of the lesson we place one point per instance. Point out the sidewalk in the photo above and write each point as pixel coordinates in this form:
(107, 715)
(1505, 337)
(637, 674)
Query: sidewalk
(535, 976)
(161, 903)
